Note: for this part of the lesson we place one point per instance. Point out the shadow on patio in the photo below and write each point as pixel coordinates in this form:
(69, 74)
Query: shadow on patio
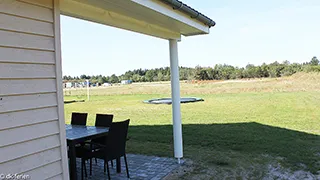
(244, 138)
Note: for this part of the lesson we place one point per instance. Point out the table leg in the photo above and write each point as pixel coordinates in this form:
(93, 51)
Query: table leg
(118, 165)
(73, 163)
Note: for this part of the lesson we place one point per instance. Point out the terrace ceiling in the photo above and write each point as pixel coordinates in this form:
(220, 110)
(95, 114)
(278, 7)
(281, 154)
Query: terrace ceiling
(151, 17)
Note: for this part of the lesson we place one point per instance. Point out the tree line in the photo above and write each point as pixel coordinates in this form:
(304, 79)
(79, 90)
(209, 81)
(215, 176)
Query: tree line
(218, 72)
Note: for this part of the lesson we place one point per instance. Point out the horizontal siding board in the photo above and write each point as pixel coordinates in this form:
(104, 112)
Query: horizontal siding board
(27, 148)
(25, 102)
(14, 23)
(21, 40)
(29, 117)
(43, 3)
(27, 133)
(46, 171)
(26, 56)
(28, 86)
(57, 177)
(26, 10)
(10, 71)
(31, 162)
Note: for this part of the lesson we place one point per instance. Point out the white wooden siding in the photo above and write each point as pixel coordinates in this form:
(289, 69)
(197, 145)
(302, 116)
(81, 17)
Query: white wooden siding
(14, 23)
(30, 117)
(57, 177)
(48, 171)
(26, 56)
(27, 102)
(9, 70)
(27, 86)
(19, 150)
(43, 3)
(30, 41)
(31, 140)
(26, 10)
(34, 161)
(27, 133)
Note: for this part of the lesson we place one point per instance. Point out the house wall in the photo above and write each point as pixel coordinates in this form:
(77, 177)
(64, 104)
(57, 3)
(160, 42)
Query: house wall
(32, 134)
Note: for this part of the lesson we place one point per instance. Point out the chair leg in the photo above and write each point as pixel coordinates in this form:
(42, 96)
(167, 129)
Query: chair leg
(90, 166)
(85, 168)
(96, 160)
(108, 170)
(104, 166)
(112, 163)
(82, 169)
(125, 161)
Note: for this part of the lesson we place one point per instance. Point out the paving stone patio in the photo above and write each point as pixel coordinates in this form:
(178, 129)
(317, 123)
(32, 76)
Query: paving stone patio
(140, 167)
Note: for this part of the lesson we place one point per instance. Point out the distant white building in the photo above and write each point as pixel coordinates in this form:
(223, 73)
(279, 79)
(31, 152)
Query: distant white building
(106, 84)
(126, 82)
(69, 84)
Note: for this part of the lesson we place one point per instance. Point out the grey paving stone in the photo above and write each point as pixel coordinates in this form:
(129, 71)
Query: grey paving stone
(140, 167)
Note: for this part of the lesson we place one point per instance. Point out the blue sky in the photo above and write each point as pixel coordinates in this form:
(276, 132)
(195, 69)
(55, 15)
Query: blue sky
(247, 31)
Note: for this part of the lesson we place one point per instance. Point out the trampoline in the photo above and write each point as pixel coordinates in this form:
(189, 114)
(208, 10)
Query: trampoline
(169, 100)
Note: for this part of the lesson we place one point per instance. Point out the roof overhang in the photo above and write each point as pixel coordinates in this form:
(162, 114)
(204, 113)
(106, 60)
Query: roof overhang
(150, 17)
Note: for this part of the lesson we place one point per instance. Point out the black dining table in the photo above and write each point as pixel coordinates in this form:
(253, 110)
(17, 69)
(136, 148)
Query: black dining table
(76, 134)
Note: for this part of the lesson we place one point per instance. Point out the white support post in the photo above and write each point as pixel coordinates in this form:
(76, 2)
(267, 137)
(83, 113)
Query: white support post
(88, 90)
(175, 94)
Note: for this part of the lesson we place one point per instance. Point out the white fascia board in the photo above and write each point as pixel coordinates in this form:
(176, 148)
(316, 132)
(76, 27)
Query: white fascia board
(167, 10)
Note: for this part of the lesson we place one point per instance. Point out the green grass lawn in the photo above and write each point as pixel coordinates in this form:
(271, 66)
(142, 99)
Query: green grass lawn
(240, 127)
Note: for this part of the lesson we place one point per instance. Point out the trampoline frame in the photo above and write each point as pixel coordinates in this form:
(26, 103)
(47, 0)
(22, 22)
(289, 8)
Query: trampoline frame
(169, 100)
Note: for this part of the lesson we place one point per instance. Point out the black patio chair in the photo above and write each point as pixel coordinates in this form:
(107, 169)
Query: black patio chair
(115, 145)
(102, 120)
(113, 148)
(79, 118)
